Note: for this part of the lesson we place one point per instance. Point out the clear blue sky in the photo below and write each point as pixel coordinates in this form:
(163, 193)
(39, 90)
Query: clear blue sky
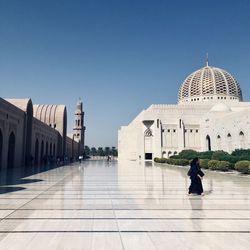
(119, 56)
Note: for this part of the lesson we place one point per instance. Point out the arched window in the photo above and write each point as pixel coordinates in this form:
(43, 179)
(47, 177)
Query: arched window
(169, 153)
(148, 132)
(175, 153)
(242, 139)
(36, 152)
(163, 153)
(229, 142)
(208, 140)
(1, 147)
(218, 142)
(11, 150)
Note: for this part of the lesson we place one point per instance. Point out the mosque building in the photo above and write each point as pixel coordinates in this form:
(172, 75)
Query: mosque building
(210, 115)
(34, 135)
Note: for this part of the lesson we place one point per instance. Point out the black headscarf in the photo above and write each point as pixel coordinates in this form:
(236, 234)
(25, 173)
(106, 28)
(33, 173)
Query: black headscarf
(194, 168)
(194, 161)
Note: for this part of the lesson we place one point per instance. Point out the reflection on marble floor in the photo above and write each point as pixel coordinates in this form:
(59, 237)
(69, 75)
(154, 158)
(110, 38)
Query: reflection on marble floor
(122, 205)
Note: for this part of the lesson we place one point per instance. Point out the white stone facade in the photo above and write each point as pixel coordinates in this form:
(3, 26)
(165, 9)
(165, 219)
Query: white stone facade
(210, 115)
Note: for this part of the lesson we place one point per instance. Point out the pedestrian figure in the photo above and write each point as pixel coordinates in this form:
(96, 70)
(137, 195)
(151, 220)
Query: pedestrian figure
(196, 176)
(80, 158)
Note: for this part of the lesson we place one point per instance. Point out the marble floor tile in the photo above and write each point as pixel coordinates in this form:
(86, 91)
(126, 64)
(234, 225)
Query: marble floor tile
(102, 225)
(124, 205)
(16, 241)
(103, 241)
(4, 213)
(139, 241)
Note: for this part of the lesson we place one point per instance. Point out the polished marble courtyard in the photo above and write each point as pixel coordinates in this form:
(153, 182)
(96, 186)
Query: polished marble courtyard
(122, 205)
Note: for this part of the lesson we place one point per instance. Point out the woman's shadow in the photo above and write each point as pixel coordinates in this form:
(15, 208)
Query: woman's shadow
(198, 214)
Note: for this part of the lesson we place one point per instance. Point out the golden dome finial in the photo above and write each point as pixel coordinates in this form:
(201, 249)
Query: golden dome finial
(207, 60)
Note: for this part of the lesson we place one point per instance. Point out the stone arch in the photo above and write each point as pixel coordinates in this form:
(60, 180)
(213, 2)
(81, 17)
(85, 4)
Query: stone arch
(56, 115)
(36, 152)
(11, 150)
(29, 119)
(54, 149)
(46, 153)
(208, 142)
(25, 105)
(169, 153)
(42, 152)
(50, 149)
(1, 147)
(64, 131)
(46, 149)
(163, 153)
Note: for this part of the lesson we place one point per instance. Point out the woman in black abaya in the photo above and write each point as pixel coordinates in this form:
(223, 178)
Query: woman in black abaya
(196, 176)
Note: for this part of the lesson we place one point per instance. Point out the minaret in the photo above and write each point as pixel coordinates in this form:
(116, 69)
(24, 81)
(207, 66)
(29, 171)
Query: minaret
(79, 128)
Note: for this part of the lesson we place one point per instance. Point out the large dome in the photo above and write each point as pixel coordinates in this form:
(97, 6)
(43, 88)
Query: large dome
(209, 83)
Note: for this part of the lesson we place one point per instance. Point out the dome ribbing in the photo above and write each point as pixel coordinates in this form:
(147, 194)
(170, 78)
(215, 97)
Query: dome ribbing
(209, 83)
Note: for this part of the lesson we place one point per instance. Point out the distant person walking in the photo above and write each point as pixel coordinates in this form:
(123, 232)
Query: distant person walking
(80, 158)
(196, 176)
(108, 158)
